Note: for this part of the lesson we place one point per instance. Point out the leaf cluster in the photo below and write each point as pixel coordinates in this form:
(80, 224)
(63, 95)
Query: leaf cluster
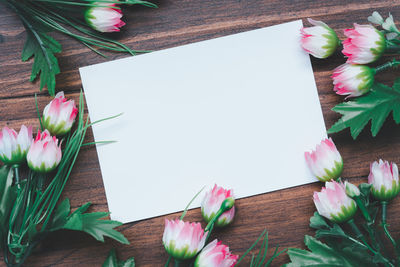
(40, 17)
(374, 106)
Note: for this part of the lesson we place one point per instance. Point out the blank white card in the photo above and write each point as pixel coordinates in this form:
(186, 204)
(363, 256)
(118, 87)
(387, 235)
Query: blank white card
(238, 111)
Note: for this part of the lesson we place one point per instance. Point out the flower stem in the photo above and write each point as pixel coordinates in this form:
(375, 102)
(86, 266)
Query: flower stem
(384, 224)
(360, 235)
(177, 263)
(363, 209)
(387, 65)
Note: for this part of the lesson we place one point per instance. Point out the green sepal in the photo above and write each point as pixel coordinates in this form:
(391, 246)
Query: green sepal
(384, 194)
(374, 106)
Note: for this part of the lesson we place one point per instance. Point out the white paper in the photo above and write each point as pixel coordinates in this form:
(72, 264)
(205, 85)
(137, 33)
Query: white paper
(238, 111)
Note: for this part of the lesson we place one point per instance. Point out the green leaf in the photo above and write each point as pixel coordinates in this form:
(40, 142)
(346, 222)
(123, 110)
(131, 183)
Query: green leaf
(42, 47)
(375, 107)
(60, 215)
(91, 223)
(112, 261)
(318, 222)
(8, 195)
(320, 254)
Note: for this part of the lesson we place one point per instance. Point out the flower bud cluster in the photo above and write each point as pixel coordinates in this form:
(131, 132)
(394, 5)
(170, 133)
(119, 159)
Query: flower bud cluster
(338, 201)
(184, 240)
(364, 44)
(43, 154)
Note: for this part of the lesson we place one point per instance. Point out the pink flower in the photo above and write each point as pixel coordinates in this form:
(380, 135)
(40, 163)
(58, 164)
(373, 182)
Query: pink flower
(183, 240)
(384, 178)
(319, 40)
(104, 18)
(364, 44)
(13, 146)
(333, 203)
(352, 80)
(325, 162)
(59, 115)
(44, 154)
(215, 254)
(212, 203)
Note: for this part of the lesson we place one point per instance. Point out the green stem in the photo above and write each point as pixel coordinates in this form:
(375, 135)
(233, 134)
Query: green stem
(363, 209)
(387, 65)
(360, 235)
(384, 224)
(177, 263)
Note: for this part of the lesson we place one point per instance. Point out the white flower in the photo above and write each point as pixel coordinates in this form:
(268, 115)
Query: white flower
(13, 146)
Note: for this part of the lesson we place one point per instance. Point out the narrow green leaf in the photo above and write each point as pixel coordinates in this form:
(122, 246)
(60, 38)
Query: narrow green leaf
(8, 195)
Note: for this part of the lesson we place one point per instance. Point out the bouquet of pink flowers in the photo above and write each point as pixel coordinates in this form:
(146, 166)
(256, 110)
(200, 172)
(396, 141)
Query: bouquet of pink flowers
(342, 238)
(33, 177)
(187, 242)
(364, 44)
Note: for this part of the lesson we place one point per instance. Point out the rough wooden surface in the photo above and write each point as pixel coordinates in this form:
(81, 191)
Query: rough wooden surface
(284, 213)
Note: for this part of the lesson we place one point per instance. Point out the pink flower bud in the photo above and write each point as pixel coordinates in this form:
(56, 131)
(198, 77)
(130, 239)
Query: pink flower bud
(44, 154)
(334, 204)
(212, 202)
(183, 240)
(384, 178)
(215, 254)
(59, 115)
(325, 162)
(352, 80)
(364, 44)
(104, 18)
(13, 146)
(319, 40)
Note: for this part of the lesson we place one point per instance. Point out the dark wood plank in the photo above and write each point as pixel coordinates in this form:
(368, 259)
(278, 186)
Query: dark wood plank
(284, 213)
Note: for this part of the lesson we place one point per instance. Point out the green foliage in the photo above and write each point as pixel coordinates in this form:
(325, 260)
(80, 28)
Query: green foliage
(261, 260)
(91, 223)
(337, 245)
(42, 48)
(374, 106)
(112, 261)
(43, 16)
(7, 199)
(320, 254)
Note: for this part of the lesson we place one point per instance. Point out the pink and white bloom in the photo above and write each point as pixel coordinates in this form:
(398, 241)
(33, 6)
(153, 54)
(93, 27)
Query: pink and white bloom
(183, 240)
(364, 44)
(44, 155)
(352, 80)
(212, 202)
(384, 178)
(104, 18)
(334, 204)
(59, 115)
(215, 254)
(319, 40)
(325, 162)
(13, 146)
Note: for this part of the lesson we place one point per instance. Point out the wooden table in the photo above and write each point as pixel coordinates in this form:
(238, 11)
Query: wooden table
(284, 213)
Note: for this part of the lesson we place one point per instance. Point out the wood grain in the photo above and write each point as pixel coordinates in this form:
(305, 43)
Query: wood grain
(284, 213)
